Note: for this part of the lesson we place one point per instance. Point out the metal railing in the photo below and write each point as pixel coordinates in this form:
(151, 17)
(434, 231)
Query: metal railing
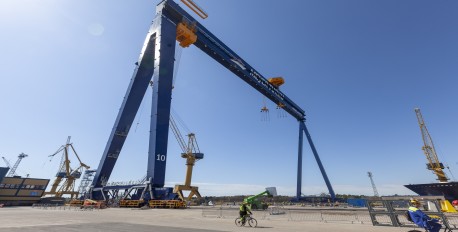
(280, 213)
(348, 216)
(390, 211)
(62, 207)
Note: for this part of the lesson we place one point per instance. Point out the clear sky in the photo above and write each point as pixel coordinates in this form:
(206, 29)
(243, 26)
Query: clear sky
(358, 68)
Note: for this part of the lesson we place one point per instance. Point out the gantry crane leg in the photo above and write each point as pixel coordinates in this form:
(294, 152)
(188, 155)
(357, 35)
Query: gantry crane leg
(162, 92)
(157, 61)
(299, 163)
(303, 129)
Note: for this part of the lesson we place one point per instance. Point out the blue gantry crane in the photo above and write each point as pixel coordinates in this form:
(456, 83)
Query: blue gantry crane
(156, 64)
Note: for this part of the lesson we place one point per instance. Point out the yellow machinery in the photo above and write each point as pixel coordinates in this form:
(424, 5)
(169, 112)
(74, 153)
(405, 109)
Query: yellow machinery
(131, 203)
(66, 173)
(171, 204)
(430, 152)
(447, 207)
(276, 81)
(186, 34)
(191, 153)
(186, 31)
(91, 204)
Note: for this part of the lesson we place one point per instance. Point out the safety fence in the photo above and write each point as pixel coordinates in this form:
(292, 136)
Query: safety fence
(452, 220)
(390, 211)
(349, 216)
(279, 213)
(62, 207)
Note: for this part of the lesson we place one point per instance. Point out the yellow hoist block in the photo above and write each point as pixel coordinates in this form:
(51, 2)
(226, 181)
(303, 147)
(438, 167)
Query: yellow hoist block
(276, 81)
(186, 35)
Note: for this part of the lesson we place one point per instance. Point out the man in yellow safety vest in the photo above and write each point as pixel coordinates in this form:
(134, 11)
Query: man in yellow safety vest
(421, 219)
(244, 210)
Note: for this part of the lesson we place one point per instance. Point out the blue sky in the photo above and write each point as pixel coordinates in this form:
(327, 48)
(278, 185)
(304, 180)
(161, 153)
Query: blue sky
(358, 68)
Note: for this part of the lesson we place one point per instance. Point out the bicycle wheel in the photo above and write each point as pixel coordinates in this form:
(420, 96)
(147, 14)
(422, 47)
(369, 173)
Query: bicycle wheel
(238, 222)
(252, 222)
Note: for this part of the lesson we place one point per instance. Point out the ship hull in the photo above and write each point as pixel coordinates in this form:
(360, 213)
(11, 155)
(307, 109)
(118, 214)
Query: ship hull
(448, 190)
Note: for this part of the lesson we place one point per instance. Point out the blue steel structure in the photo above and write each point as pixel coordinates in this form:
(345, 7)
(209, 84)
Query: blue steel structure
(3, 171)
(156, 62)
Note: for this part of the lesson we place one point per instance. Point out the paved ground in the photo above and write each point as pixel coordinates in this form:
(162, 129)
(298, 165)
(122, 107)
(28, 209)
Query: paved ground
(27, 219)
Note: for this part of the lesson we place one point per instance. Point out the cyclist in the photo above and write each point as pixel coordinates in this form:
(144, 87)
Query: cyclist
(244, 210)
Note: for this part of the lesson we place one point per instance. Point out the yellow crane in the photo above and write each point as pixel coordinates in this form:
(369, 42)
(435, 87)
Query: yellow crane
(66, 173)
(191, 153)
(429, 150)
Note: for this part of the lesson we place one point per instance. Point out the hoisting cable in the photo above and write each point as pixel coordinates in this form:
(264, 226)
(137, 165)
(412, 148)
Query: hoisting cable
(139, 116)
(178, 51)
(179, 120)
(141, 108)
(264, 110)
(194, 146)
(448, 168)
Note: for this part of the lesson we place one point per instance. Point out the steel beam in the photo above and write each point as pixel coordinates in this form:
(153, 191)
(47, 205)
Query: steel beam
(162, 96)
(318, 161)
(126, 115)
(299, 162)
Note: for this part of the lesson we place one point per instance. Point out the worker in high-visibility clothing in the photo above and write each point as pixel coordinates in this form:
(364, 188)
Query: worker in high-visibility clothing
(421, 219)
(244, 210)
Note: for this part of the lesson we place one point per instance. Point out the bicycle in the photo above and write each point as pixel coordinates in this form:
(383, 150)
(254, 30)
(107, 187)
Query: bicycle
(248, 218)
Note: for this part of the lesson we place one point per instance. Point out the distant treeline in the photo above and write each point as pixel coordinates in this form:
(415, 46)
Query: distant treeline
(218, 200)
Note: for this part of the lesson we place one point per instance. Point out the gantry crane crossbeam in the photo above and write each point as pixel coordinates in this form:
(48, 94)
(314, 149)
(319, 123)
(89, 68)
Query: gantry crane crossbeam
(216, 49)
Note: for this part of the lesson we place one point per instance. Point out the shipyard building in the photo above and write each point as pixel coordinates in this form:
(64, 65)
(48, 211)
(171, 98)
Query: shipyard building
(19, 191)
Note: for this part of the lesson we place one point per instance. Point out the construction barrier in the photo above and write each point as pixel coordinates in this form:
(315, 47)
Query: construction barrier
(62, 207)
(325, 216)
(390, 211)
(282, 214)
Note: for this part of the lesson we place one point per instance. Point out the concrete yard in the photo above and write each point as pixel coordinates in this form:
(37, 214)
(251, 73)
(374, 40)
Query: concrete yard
(27, 219)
